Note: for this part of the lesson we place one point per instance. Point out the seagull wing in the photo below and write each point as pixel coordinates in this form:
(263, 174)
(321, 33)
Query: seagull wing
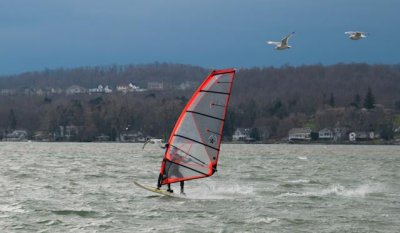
(274, 43)
(144, 145)
(286, 39)
(350, 33)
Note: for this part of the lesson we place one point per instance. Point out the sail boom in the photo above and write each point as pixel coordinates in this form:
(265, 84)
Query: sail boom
(189, 168)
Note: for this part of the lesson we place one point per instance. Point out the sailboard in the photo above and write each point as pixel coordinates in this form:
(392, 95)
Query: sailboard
(156, 190)
(194, 144)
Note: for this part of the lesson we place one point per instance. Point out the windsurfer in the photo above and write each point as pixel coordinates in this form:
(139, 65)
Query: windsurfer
(196, 137)
(160, 177)
(167, 168)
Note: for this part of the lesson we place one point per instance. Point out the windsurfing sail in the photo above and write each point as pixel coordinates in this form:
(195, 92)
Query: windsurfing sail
(195, 141)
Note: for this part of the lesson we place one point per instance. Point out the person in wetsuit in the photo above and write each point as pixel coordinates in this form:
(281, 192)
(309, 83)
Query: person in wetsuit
(167, 168)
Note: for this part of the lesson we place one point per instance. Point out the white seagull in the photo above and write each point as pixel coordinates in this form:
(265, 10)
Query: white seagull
(356, 35)
(283, 44)
(154, 141)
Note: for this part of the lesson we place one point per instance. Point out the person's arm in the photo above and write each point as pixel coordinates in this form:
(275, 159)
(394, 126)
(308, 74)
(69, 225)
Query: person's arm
(163, 147)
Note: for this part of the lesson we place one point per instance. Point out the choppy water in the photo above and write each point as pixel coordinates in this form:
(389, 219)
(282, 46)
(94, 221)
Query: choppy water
(88, 187)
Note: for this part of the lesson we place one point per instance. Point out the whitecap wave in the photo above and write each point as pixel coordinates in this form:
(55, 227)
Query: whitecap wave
(300, 181)
(263, 220)
(337, 189)
(213, 191)
(360, 191)
(15, 208)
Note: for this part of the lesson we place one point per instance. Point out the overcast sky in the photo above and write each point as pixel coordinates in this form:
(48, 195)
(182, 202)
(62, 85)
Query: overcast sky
(39, 34)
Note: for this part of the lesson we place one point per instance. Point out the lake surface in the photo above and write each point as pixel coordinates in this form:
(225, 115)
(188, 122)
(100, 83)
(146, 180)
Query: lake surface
(88, 187)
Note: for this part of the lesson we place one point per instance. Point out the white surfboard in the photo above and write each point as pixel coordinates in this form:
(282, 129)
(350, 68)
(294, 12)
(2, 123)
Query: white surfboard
(158, 191)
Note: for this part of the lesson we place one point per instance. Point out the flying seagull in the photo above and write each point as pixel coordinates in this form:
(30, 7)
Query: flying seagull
(356, 35)
(283, 44)
(153, 141)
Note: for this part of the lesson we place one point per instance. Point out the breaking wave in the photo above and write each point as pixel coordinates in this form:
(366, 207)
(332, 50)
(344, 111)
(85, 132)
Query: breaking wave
(212, 191)
(263, 220)
(339, 190)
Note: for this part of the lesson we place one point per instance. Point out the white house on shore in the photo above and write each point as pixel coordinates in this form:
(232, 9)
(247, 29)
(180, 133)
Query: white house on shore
(130, 88)
(75, 89)
(325, 134)
(361, 136)
(16, 136)
(100, 89)
(300, 134)
(241, 134)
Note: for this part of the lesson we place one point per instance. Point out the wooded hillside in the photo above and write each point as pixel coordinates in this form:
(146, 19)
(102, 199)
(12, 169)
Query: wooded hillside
(272, 99)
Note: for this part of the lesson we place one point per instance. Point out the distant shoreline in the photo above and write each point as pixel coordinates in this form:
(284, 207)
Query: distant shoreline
(373, 143)
(323, 143)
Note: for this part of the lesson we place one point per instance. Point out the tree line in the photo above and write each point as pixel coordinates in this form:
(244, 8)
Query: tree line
(356, 96)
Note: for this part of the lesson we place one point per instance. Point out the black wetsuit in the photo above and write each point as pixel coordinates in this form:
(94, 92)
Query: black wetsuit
(176, 171)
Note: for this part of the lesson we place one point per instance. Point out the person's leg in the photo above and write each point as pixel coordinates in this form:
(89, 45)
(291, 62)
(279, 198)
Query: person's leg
(159, 181)
(182, 187)
(169, 189)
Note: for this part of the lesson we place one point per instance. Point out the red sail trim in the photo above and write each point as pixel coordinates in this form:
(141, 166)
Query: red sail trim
(222, 126)
(213, 163)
